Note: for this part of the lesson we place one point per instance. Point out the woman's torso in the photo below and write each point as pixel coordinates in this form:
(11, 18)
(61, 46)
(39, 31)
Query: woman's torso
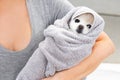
(15, 30)
(20, 33)
(18, 45)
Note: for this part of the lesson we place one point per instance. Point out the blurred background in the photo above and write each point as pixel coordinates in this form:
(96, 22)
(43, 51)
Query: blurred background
(110, 11)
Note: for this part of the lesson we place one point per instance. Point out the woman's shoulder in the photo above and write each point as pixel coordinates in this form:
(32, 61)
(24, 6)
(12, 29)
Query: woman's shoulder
(50, 10)
(56, 8)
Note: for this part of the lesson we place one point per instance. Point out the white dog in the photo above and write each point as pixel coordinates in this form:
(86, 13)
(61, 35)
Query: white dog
(82, 23)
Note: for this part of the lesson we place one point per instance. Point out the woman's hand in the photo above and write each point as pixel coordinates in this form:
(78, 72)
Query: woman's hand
(102, 49)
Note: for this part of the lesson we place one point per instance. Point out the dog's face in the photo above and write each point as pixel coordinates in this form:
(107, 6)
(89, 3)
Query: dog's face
(82, 23)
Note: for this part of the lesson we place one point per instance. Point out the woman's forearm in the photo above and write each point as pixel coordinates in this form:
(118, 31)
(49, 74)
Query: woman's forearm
(102, 49)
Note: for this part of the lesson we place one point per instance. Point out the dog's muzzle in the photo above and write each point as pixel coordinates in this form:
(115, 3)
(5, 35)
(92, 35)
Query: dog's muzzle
(80, 29)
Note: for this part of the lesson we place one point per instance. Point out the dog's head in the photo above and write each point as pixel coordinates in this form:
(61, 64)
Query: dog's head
(82, 23)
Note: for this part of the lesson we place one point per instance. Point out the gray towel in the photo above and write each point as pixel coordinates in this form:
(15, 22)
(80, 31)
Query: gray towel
(61, 49)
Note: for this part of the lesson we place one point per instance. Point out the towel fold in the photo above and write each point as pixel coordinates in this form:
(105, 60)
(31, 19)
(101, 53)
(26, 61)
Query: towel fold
(61, 49)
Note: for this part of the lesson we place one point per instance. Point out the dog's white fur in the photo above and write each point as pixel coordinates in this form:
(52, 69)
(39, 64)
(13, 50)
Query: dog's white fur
(85, 20)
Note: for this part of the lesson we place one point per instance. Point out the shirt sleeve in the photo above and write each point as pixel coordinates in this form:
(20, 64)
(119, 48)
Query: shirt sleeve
(59, 8)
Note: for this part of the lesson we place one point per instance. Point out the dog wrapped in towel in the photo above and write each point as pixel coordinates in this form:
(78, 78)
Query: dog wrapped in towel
(65, 45)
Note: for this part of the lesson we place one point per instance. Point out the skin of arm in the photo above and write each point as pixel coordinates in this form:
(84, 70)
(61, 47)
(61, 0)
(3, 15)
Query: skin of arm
(103, 48)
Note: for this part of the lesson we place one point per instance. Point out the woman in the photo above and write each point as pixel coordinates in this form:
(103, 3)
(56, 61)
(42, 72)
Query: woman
(21, 30)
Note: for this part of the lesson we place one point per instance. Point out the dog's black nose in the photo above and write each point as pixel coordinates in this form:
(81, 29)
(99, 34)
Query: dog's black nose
(80, 28)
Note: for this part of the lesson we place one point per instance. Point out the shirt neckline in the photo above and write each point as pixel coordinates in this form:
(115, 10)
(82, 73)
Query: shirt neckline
(28, 6)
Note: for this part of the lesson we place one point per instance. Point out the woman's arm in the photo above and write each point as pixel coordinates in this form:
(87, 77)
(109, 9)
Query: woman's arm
(102, 49)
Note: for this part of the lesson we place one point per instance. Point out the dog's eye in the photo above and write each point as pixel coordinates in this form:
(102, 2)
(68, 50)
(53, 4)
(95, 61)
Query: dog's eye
(77, 20)
(89, 26)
